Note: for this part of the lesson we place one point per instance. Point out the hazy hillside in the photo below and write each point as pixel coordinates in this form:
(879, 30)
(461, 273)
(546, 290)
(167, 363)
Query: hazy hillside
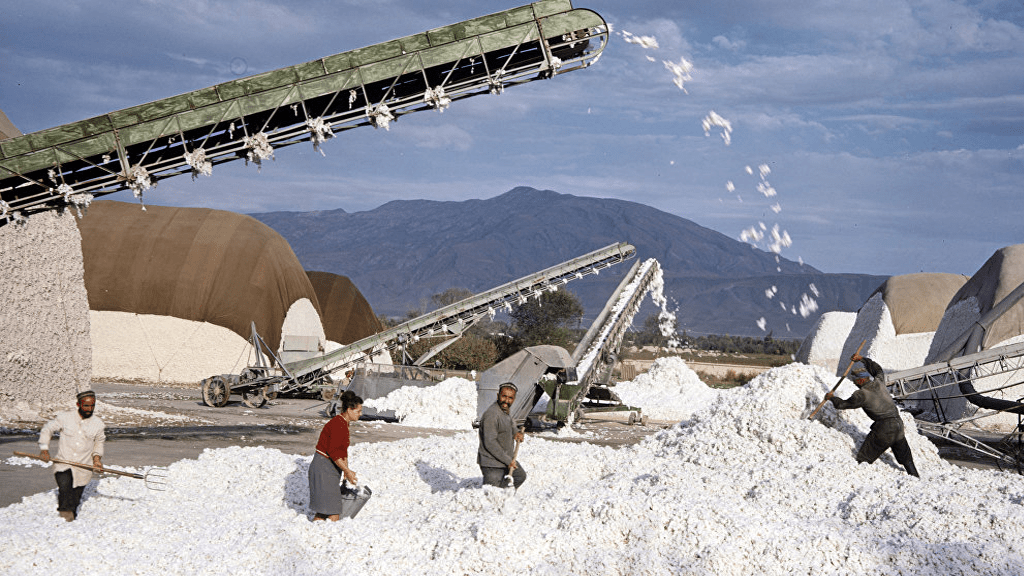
(404, 251)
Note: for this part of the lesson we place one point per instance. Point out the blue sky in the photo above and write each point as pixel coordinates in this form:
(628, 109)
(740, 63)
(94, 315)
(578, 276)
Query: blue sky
(893, 130)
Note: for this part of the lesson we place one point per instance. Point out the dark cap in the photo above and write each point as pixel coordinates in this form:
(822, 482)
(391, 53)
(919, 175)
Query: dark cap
(857, 375)
(86, 394)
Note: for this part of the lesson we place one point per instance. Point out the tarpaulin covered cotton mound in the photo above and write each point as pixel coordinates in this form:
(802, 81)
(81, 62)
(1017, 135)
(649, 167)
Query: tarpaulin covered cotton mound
(823, 346)
(173, 290)
(347, 316)
(1001, 274)
(345, 313)
(7, 128)
(898, 321)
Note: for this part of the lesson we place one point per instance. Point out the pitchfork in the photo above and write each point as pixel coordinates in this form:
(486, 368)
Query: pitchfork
(155, 476)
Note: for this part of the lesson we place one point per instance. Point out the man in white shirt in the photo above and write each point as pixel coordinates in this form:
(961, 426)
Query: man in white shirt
(81, 441)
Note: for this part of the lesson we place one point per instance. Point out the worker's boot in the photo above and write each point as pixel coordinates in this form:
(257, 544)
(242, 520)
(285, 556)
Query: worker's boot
(66, 515)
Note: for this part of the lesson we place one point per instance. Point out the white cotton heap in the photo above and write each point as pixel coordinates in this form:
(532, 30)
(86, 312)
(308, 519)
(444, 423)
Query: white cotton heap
(450, 404)
(874, 327)
(823, 346)
(670, 390)
(45, 351)
(747, 486)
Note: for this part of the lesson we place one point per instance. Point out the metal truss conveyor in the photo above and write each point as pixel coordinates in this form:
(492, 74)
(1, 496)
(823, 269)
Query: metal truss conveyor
(250, 117)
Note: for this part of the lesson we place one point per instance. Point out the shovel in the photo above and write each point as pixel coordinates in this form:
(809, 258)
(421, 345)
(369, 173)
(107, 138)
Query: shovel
(837, 383)
(515, 454)
(155, 477)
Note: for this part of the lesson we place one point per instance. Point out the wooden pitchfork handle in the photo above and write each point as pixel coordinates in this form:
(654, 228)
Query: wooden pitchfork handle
(100, 469)
(838, 383)
(515, 453)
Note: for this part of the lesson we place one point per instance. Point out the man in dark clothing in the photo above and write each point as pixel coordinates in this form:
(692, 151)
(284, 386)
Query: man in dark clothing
(887, 428)
(497, 433)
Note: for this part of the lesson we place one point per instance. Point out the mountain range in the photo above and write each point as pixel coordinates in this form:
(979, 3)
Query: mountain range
(402, 252)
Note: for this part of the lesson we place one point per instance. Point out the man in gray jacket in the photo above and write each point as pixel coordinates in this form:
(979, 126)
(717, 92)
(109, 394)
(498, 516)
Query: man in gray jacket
(887, 428)
(497, 433)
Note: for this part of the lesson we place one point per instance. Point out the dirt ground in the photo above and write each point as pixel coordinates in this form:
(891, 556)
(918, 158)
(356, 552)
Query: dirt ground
(156, 426)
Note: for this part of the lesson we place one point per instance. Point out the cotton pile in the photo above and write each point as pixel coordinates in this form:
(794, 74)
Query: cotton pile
(670, 390)
(450, 404)
(747, 485)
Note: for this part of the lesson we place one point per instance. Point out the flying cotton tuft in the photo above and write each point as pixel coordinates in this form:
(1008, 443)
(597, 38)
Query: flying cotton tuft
(646, 42)
(713, 119)
(680, 72)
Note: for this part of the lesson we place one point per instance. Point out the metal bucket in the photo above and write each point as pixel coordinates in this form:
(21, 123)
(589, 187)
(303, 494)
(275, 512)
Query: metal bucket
(353, 499)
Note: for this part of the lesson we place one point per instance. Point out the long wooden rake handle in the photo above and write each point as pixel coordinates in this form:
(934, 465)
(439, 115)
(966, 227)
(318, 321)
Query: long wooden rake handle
(101, 469)
(154, 477)
(848, 368)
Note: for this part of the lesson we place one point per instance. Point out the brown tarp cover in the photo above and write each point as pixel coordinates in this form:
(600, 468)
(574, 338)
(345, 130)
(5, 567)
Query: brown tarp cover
(999, 276)
(345, 314)
(918, 301)
(7, 128)
(192, 263)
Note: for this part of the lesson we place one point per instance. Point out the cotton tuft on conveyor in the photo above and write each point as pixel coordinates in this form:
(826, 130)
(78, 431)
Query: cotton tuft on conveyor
(249, 118)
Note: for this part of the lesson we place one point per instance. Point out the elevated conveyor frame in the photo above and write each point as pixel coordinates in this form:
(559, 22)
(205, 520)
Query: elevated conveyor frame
(448, 322)
(596, 354)
(250, 117)
(936, 382)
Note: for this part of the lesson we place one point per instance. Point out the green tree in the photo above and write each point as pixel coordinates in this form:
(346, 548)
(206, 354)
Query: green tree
(549, 319)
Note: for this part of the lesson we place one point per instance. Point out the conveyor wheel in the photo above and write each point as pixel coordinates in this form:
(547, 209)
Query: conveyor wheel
(216, 391)
(255, 397)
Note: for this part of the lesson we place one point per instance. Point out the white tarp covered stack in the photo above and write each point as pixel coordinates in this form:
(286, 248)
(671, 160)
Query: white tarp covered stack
(898, 321)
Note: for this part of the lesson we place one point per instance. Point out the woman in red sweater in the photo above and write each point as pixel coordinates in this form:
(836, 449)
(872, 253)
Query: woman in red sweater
(331, 460)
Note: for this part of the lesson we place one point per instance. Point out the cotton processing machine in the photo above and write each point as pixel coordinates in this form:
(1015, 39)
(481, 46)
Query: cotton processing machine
(248, 118)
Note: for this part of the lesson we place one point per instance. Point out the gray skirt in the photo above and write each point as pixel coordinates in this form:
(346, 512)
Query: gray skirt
(324, 481)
